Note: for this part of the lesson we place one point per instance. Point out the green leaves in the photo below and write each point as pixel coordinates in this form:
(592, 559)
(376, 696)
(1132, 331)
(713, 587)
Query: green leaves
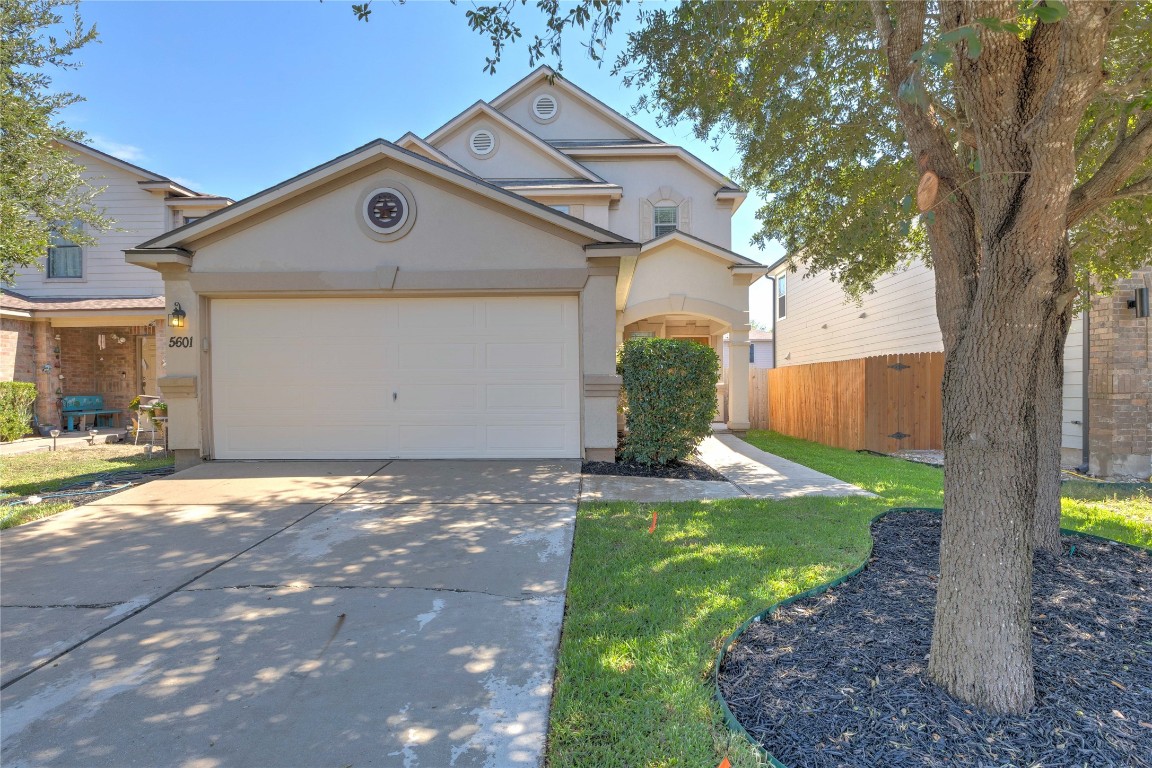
(39, 182)
(670, 389)
(1050, 12)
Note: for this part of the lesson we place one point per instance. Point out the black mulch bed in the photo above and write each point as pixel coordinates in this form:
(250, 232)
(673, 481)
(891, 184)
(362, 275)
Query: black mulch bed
(689, 469)
(838, 679)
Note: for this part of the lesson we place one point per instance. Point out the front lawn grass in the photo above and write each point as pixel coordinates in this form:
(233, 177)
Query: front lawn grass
(45, 471)
(646, 614)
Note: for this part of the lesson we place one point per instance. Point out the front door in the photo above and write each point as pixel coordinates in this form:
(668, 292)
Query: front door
(148, 374)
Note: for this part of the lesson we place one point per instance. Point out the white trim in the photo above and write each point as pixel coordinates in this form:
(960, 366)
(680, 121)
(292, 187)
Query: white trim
(351, 162)
(412, 142)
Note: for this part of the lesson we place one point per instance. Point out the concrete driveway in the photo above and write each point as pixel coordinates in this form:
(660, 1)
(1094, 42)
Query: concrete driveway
(274, 614)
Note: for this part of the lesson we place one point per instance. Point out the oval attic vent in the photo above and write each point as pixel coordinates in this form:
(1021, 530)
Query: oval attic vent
(482, 142)
(544, 107)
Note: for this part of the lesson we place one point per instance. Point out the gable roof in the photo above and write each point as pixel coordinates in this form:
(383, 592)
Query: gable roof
(482, 108)
(414, 143)
(146, 179)
(566, 86)
(683, 238)
(358, 158)
(605, 149)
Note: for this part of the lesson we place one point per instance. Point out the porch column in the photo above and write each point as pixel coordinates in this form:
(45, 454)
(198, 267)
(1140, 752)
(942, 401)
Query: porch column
(598, 338)
(738, 346)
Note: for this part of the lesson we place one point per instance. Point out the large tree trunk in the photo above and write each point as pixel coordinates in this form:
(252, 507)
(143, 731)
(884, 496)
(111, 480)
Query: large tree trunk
(1049, 420)
(982, 639)
(999, 248)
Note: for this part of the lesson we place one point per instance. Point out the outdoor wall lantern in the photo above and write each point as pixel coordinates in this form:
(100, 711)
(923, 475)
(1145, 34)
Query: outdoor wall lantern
(176, 317)
(1140, 303)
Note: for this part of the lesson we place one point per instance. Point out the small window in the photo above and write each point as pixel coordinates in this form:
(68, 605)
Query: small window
(192, 219)
(667, 218)
(65, 258)
(752, 353)
(562, 208)
(781, 297)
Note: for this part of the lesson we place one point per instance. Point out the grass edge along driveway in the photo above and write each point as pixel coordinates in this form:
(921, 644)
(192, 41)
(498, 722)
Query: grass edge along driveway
(647, 613)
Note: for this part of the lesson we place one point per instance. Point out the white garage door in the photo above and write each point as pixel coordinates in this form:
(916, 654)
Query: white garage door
(402, 378)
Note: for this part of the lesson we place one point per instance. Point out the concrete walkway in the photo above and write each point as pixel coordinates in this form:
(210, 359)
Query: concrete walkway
(750, 473)
(291, 614)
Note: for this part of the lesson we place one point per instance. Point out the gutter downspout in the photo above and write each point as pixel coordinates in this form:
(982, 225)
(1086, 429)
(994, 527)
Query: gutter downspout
(1086, 447)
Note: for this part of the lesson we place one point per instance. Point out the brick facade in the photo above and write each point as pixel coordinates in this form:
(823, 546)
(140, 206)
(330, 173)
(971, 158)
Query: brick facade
(1120, 383)
(17, 358)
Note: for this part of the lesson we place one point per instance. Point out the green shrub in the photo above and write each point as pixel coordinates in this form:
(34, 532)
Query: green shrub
(670, 391)
(16, 398)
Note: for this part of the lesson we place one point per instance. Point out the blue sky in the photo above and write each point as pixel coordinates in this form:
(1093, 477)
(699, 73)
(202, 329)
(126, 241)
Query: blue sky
(233, 97)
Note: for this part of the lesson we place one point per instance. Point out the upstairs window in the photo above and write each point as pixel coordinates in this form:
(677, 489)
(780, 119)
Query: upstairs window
(667, 219)
(781, 297)
(563, 208)
(65, 258)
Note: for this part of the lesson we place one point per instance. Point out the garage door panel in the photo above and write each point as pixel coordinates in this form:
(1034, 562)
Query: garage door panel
(474, 377)
(437, 357)
(537, 317)
(437, 316)
(439, 397)
(507, 357)
(548, 439)
(516, 397)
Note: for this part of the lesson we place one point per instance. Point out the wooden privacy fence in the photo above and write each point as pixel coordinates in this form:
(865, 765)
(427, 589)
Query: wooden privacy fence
(885, 404)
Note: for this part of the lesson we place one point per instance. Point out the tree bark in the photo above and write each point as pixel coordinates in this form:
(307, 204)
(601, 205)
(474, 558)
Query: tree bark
(1049, 417)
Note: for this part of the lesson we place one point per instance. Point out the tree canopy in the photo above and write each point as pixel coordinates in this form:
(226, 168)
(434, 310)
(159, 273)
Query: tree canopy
(42, 191)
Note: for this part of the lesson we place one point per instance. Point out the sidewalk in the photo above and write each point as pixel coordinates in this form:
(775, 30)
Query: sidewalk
(750, 472)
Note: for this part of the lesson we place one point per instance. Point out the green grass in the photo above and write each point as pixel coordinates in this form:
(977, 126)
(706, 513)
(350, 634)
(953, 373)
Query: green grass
(28, 473)
(647, 613)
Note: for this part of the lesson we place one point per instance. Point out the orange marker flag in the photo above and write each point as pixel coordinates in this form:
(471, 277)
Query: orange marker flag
(652, 529)
(724, 764)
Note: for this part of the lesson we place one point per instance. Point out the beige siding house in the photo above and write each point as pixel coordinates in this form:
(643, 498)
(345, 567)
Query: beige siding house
(84, 322)
(458, 295)
(815, 322)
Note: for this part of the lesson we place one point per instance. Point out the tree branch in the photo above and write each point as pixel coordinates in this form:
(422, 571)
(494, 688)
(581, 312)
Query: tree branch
(1117, 168)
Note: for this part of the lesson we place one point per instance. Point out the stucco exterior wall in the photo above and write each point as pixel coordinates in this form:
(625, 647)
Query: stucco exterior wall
(513, 157)
(574, 121)
(642, 178)
(679, 270)
(451, 232)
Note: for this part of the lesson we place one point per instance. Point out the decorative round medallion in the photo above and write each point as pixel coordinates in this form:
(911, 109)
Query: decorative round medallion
(386, 210)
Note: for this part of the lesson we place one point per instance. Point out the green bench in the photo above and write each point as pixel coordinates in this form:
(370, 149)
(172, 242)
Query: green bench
(80, 407)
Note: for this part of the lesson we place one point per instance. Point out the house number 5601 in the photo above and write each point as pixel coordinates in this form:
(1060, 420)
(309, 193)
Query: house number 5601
(180, 341)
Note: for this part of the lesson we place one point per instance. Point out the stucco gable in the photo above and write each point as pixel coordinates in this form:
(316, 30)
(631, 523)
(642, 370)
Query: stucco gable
(579, 114)
(414, 143)
(455, 229)
(516, 152)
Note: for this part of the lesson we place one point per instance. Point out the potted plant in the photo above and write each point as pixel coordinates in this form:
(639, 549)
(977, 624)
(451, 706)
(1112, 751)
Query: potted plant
(160, 408)
(135, 404)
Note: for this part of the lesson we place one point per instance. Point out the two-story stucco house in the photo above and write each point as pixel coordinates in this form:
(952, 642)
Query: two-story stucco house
(457, 295)
(85, 322)
(1107, 421)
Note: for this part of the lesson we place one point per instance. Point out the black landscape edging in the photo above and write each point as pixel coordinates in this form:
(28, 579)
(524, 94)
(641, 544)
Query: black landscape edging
(730, 719)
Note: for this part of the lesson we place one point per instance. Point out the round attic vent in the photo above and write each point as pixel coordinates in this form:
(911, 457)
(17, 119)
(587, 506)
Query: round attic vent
(545, 107)
(482, 142)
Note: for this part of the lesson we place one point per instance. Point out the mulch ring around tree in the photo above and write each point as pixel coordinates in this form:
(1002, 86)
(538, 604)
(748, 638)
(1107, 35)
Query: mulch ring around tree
(839, 679)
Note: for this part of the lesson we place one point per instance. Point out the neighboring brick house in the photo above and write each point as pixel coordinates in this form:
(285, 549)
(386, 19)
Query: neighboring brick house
(1106, 384)
(85, 322)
